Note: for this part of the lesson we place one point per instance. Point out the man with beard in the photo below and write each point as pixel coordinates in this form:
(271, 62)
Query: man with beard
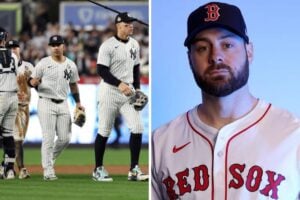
(232, 145)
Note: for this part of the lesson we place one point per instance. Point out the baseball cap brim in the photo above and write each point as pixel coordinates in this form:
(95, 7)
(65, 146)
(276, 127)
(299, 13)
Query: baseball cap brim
(55, 43)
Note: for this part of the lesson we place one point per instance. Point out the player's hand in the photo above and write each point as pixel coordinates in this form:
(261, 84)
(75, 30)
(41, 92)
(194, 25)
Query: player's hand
(80, 107)
(125, 89)
(21, 96)
(35, 81)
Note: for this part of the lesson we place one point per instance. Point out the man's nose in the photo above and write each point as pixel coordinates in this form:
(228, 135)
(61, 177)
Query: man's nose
(216, 56)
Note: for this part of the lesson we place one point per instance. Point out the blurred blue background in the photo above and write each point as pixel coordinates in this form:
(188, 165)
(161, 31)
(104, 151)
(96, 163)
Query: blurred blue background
(273, 27)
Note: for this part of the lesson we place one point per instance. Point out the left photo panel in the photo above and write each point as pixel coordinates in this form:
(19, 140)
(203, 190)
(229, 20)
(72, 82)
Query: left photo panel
(74, 98)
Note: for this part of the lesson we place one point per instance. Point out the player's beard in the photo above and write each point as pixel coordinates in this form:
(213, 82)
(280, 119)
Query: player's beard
(221, 85)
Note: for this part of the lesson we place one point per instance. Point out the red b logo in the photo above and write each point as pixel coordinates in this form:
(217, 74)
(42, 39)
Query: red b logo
(212, 12)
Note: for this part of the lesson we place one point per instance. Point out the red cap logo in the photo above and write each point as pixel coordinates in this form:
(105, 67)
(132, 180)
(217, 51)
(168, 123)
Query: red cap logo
(212, 12)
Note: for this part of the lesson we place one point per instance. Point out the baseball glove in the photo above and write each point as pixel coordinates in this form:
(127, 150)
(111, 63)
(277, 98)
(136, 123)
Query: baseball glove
(139, 100)
(79, 117)
(24, 92)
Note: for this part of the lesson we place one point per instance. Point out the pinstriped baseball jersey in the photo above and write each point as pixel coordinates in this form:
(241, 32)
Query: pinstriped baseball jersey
(120, 57)
(25, 66)
(8, 79)
(256, 157)
(55, 84)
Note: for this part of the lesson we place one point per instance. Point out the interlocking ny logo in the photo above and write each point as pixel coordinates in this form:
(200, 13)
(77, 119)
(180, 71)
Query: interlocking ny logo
(212, 12)
(133, 53)
(67, 74)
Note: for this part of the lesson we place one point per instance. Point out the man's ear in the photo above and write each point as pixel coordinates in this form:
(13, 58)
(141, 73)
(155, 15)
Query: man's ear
(189, 58)
(249, 51)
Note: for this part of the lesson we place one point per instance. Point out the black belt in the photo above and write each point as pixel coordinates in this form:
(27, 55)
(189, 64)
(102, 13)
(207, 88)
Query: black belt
(57, 101)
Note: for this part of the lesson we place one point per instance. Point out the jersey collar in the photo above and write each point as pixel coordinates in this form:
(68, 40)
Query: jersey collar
(121, 40)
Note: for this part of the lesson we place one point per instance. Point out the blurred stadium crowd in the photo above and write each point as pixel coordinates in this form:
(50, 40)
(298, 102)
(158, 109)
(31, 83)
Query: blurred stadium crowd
(82, 43)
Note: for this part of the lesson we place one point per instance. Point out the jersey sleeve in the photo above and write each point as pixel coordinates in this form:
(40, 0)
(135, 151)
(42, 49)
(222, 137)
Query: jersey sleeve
(16, 60)
(75, 76)
(155, 186)
(104, 57)
(38, 71)
(137, 60)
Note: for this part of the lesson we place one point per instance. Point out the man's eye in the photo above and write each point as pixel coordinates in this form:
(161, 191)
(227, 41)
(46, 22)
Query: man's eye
(201, 48)
(228, 45)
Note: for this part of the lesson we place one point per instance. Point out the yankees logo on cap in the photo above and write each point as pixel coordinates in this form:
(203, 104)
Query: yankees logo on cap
(3, 34)
(12, 43)
(124, 17)
(56, 40)
(215, 14)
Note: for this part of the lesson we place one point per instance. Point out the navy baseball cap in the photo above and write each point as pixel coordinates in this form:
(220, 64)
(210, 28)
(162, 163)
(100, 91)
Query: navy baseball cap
(215, 14)
(56, 40)
(124, 17)
(3, 34)
(12, 43)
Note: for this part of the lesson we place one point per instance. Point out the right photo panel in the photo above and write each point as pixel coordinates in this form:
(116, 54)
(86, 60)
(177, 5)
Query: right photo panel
(225, 100)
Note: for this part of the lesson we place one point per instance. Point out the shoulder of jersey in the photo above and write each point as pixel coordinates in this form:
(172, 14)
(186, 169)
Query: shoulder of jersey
(289, 117)
(135, 42)
(71, 62)
(46, 59)
(171, 126)
(27, 63)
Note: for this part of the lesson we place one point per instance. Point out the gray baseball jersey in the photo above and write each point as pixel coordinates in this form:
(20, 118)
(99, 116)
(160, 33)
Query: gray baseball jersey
(8, 96)
(53, 110)
(8, 79)
(120, 57)
(253, 158)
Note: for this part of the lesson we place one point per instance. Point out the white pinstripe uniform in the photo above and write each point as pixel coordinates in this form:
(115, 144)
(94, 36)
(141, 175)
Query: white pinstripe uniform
(255, 157)
(23, 108)
(55, 118)
(120, 57)
(8, 96)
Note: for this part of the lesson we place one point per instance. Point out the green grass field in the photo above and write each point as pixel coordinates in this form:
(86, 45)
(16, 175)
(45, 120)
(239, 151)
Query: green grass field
(85, 156)
(76, 186)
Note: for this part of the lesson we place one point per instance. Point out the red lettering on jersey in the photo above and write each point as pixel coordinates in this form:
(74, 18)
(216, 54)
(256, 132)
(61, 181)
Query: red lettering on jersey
(236, 171)
(182, 183)
(254, 178)
(169, 183)
(273, 184)
(201, 182)
(212, 12)
(201, 178)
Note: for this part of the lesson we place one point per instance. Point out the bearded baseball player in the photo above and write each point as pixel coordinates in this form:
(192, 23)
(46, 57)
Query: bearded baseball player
(24, 71)
(8, 105)
(53, 77)
(232, 145)
(118, 66)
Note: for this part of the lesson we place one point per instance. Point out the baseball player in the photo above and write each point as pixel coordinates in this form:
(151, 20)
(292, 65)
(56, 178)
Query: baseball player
(118, 66)
(24, 71)
(8, 105)
(232, 145)
(52, 77)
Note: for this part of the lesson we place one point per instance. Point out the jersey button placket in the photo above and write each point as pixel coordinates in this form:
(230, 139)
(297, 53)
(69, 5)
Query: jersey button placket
(219, 162)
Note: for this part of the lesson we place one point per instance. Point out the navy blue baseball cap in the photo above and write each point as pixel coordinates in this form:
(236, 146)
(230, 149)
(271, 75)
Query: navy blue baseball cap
(56, 40)
(12, 43)
(3, 34)
(124, 17)
(215, 14)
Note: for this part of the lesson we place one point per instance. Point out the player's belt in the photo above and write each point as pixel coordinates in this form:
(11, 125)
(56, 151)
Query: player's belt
(57, 101)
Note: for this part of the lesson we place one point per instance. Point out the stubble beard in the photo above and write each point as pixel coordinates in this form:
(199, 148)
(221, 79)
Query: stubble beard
(221, 86)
